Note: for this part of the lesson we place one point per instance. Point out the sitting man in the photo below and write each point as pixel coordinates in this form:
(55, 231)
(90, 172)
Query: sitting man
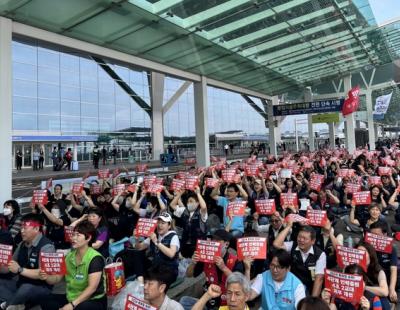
(279, 288)
(28, 289)
(237, 293)
(157, 280)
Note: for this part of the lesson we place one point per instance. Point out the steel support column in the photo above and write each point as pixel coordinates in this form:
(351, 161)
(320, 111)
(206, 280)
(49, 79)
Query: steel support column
(157, 124)
(308, 98)
(201, 122)
(350, 129)
(271, 125)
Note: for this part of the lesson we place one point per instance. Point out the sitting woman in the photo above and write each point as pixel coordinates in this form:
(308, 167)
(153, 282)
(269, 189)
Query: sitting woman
(84, 278)
(12, 214)
(375, 215)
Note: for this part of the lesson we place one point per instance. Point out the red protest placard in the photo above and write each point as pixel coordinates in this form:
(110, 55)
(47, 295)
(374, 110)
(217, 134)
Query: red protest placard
(289, 199)
(103, 174)
(271, 167)
(317, 217)
(5, 254)
(141, 168)
(236, 208)
(349, 287)
(380, 243)
(133, 303)
(177, 185)
(296, 218)
(211, 182)
(191, 182)
(254, 247)
(39, 197)
(208, 250)
(362, 198)
(343, 173)
(149, 180)
(159, 181)
(220, 165)
(145, 227)
(353, 188)
(95, 189)
(52, 263)
(265, 207)
(118, 189)
(384, 171)
(181, 175)
(308, 165)
(316, 182)
(374, 180)
(155, 188)
(68, 231)
(190, 161)
(77, 188)
(228, 175)
(251, 170)
(115, 173)
(347, 256)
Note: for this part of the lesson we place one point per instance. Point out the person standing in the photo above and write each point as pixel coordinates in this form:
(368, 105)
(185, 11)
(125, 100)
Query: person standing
(68, 158)
(104, 155)
(36, 156)
(18, 158)
(41, 159)
(114, 155)
(96, 156)
(226, 149)
(54, 157)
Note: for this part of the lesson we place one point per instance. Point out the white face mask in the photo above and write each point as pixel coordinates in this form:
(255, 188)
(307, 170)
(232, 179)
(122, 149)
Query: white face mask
(192, 206)
(7, 211)
(56, 212)
(149, 208)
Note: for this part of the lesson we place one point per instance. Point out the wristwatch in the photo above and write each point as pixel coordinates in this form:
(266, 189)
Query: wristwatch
(72, 304)
(20, 269)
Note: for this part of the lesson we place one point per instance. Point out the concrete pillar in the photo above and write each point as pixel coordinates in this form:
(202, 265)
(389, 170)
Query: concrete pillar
(311, 140)
(75, 152)
(6, 158)
(331, 135)
(277, 131)
(371, 129)
(157, 124)
(271, 126)
(350, 129)
(201, 123)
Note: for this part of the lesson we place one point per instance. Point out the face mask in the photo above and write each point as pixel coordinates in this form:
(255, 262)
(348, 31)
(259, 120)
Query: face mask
(149, 208)
(192, 207)
(56, 212)
(7, 211)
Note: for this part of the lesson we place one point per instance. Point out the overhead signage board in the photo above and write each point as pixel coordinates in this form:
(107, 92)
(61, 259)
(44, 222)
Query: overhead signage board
(309, 107)
(325, 118)
(54, 138)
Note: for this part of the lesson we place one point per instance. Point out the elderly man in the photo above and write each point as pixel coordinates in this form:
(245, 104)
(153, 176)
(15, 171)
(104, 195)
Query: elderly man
(237, 293)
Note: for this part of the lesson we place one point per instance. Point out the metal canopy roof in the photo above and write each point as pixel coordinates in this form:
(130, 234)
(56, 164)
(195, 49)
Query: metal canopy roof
(269, 46)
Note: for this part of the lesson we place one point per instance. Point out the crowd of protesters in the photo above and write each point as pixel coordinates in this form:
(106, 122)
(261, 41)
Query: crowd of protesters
(297, 254)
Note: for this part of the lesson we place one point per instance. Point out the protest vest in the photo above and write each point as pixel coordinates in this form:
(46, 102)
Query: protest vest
(193, 228)
(160, 257)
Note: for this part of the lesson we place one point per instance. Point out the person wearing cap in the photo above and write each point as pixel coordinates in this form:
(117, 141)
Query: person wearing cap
(164, 244)
(216, 273)
(28, 288)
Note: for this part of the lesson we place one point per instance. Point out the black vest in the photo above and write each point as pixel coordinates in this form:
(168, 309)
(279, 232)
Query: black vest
(160, 257)
(301, 269)
(329, 250)
(193, 228)
(31, 261)
(271, 239)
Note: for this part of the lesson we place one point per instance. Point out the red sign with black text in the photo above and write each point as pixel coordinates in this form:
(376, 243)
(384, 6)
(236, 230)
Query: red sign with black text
(349, 287)
(191, 182)
(347, 256)
(254, 247)
(316, 182)
(208, 250)
(362, 198)
(145, 227)
(39, 197)
(317, 217)
(103, 174)
(380, 243)
(52, 263)
(265, 206)
(289, 199)
(236, 208)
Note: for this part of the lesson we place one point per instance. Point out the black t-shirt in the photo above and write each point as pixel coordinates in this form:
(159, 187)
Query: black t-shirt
(56, 233)
(97, 265)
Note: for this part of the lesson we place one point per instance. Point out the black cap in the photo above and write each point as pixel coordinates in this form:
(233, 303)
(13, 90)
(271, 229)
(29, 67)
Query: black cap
(222, 234)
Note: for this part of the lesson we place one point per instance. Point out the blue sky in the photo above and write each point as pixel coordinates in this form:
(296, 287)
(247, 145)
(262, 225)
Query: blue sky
(385, 10)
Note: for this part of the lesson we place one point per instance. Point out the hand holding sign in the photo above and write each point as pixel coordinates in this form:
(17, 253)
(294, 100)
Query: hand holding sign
(134, 303)
(253, 247)
(317, 217)
(39, 197)
(53, 263)
(361, 198)
(347, 256)
(145, 227)
(207, 250)
(349, 287)
(380, 243)
(5, 254)
(236, 208)
(265, 207)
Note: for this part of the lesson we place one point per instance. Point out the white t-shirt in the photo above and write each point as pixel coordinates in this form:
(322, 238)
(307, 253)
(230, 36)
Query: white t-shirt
(299, 292)
(321, 262)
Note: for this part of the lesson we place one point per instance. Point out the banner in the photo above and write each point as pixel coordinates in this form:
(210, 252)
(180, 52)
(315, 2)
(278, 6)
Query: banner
(347, 256)
(5, 254)
(103, 174)
(236, 208)
(254, 247)
(324, 106)
(145, 227)
(52, 263)
(374, 180)
(382, 105)
(133, 303)
(362, 198)
(251, 170)
(349, 287)
(228, 175)
(289, 199)
(40, 197)
(316, 182)
(352, 101)
(317, 217)
(265, 206)
(380, 243)
(208, 250)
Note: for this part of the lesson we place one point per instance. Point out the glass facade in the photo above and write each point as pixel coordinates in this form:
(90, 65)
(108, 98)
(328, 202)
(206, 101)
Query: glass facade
(70, 94)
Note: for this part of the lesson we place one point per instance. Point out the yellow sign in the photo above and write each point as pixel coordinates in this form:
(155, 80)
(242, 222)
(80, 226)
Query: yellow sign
(325, 118)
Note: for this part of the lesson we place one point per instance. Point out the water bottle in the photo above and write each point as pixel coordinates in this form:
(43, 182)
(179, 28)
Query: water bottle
(350, 242)
(140, 291)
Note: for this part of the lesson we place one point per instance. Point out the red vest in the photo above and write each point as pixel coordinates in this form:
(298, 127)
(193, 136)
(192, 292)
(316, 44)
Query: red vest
(211, 273)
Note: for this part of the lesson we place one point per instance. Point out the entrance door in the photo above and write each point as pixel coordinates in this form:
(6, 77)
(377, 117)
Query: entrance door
(27, 158)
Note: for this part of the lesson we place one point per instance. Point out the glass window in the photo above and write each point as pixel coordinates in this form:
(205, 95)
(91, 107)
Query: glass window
(89, 124)
(48, 106)
(24, 121)
(106, 110)
(106, 84)
(69, 78)
(70, 108)
(89, 110)
(49, 91)
(89, 95)
(122, 124)
(106, 98)
(107, 124)
(49, 123)
(89, 80)
(49, 75)
(24, 71)
(24, 53)
(24, 88)
(69, 62)
(48, 58)
(24, 105)
(70, 93)
(70, 124)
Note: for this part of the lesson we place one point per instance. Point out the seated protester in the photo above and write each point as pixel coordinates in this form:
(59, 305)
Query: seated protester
(255, 190)
(290, 186)
(387, 261)
(388, 186)
(157, 281)
(96, 218)
(5, 275)
(13, 217)
(85, 285)
(164, 244)
(154, 205)
(237, 293)
(232, 192)
(111, 214)
(56, 219)
(327, 201)
(368, 301)
(376, 282)
(312, 303)
(216, 273)
(58, 195)
(302, 186)
(327, 241)
(28, 288)
(127, 217)
(309, 261)
(278, 287)
(374, 210)
(194, 217)
(377, 196)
